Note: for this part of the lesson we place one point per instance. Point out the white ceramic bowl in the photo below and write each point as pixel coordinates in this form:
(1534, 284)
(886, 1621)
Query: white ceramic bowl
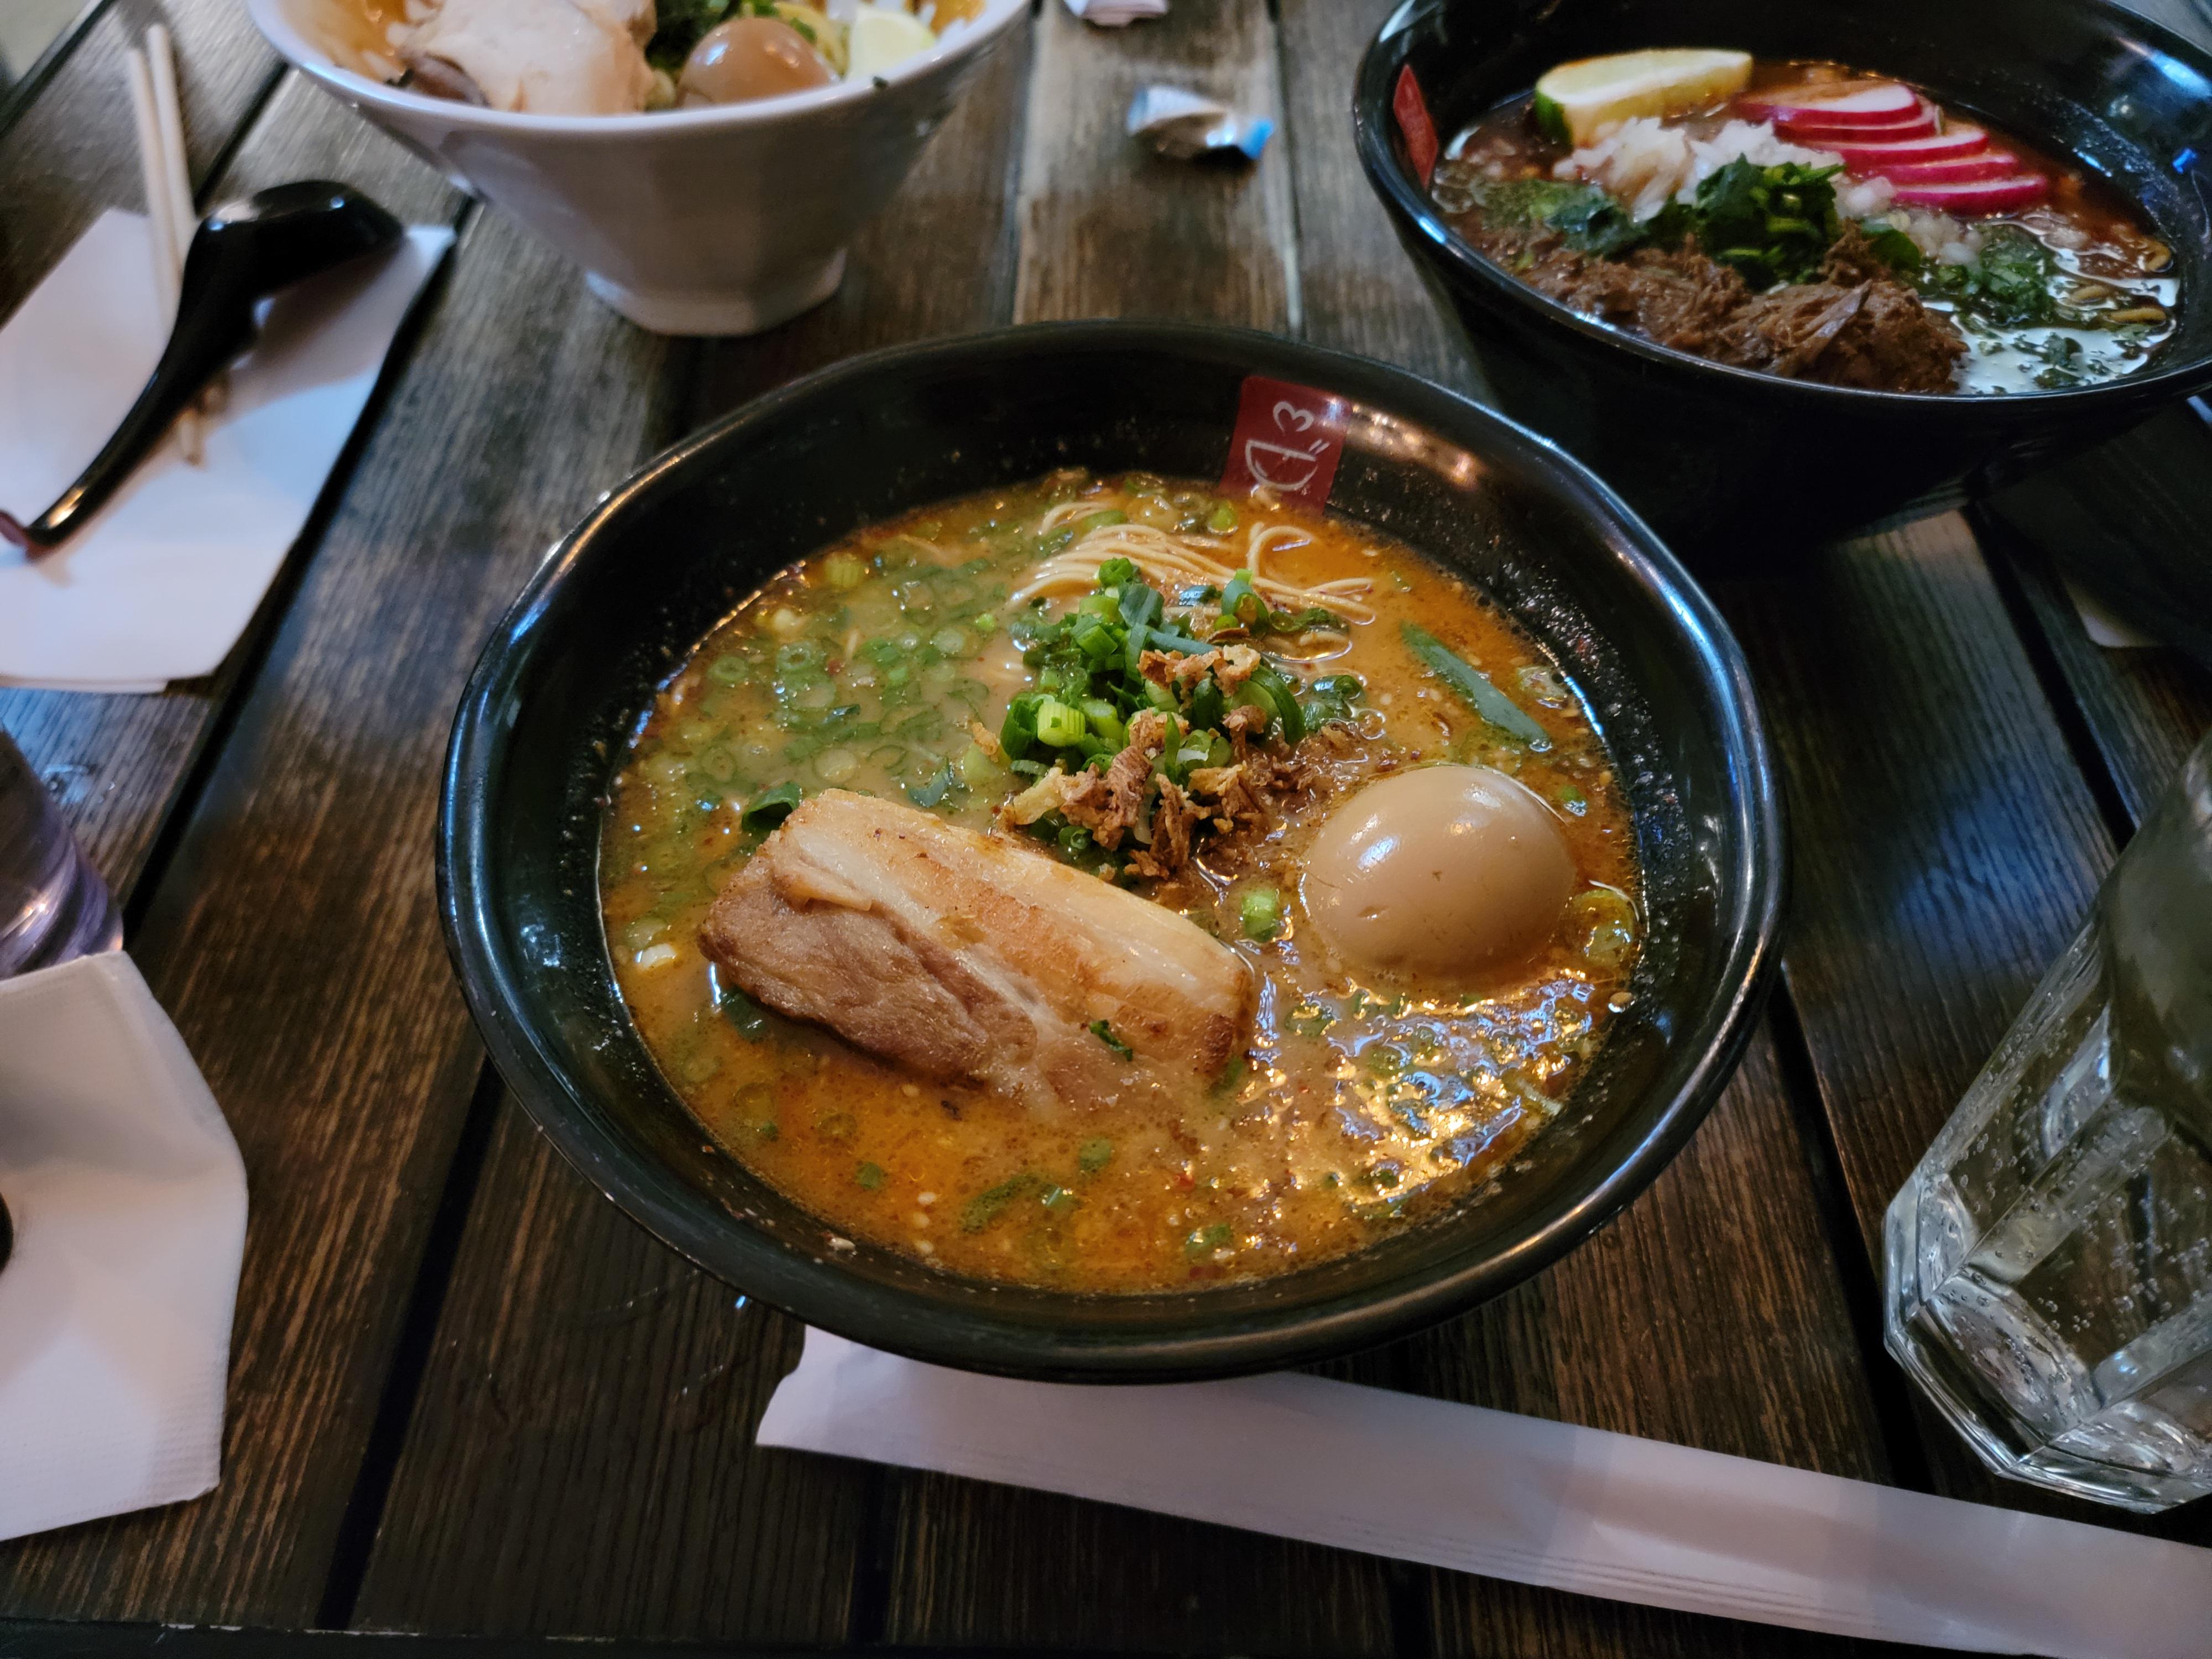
(720, 221)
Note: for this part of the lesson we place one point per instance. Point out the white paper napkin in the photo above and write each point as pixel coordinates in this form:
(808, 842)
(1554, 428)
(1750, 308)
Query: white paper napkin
(1517, 1497)
(1116, 14)
(161, 584)
(129, 1201)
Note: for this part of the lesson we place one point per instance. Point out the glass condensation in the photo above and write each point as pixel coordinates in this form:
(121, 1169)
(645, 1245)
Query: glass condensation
(2049, 1265)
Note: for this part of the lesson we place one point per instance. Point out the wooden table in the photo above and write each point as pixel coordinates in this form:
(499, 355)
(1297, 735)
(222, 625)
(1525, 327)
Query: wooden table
(471, 1400)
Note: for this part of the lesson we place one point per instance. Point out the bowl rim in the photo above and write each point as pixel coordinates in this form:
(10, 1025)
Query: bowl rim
(273, 18)
(1372, 88)
(883, 1315)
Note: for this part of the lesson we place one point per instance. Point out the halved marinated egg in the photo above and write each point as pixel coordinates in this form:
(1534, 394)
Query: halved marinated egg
(749, 57)
(1445, 873)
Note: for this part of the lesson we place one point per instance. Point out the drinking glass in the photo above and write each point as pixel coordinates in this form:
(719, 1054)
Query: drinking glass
(2049, 1265)
(53, 905)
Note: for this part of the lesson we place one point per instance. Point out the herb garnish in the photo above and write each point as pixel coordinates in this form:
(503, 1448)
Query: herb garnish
(1104, 1033)
(1770, 225)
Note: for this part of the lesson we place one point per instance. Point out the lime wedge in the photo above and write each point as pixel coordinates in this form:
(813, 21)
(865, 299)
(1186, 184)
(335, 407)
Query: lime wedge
(883, 36)
(1575, 99)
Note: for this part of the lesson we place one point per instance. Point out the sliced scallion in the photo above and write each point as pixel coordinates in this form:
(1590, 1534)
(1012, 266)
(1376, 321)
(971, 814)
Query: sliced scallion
(1473, 687)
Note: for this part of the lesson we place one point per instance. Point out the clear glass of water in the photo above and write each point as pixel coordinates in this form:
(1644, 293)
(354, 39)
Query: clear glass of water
(54, 904)
(2049, 1265)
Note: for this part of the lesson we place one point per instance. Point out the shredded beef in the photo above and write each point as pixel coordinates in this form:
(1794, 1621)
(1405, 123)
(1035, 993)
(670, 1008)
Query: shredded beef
(1858, 326)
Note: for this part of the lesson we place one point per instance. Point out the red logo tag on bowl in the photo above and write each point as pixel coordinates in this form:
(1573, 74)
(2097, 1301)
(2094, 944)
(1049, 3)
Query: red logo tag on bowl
(1287, 438)
(1413, 124)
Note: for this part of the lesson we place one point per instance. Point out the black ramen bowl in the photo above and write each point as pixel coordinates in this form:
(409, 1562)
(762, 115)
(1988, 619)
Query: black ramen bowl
(618, 606)
(1730, 464)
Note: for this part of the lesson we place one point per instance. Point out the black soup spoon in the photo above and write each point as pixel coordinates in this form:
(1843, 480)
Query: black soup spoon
(6, 1234)
(241, 253)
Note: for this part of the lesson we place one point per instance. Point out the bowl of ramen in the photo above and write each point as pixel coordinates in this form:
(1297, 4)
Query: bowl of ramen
(1779, 274)
(706, 161)
(1182, 852)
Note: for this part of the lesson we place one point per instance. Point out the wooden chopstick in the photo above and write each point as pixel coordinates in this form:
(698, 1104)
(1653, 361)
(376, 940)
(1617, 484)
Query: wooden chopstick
(158, 117)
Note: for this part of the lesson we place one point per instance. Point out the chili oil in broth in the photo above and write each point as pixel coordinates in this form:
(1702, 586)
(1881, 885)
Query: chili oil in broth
(1357, 1106)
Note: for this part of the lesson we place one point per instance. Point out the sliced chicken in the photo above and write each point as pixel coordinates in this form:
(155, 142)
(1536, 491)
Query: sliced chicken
(960, 955)
(542, 57)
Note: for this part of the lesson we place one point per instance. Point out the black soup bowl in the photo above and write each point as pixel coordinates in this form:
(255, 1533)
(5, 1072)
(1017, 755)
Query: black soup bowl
(1730, 464)
(622, 600)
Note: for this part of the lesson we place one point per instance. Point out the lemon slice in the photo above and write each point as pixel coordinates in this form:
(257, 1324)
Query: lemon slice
(883, 37)
(1575, 99)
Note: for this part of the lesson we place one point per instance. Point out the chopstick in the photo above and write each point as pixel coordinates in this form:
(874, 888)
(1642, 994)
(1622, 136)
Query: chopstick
(151, 69)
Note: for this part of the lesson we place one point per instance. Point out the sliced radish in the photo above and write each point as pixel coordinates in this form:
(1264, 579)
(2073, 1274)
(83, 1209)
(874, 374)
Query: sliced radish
(1921, 124)
(1981, 196)
(1954, 169)
(1859, 103)
(1874, 158)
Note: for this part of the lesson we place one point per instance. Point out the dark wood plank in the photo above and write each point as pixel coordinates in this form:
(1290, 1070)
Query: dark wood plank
(119, 762)
(1358, 288)
(582, 1458)
(1107, 229)
(294, 939)
(1945, 845)
(72, 154)
(1710, 1314)
(2145, 707)
(1110, 229)
(566, 1469)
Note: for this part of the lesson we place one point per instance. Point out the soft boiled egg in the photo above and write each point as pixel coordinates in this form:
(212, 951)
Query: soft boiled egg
(1443, 873)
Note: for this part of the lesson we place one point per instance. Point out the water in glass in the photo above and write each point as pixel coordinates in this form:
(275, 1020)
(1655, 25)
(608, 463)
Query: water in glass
(2049, 1265)
(53, 905)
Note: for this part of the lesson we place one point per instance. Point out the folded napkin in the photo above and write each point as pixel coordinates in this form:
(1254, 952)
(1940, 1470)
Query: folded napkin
(129, 1200)
(1116, 14)
(1517, 1497)
(162, 583)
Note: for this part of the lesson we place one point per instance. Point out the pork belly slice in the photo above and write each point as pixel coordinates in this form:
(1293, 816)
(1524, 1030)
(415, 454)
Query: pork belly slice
(962, 956)
(544, 56)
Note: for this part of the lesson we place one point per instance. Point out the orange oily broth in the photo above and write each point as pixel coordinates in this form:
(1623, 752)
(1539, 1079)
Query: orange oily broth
(1360, 1106)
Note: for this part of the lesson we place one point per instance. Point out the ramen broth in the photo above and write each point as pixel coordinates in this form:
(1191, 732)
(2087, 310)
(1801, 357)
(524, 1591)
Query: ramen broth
(882, 665)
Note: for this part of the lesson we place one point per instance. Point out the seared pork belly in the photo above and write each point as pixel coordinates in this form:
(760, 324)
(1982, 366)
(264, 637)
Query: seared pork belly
(959, 955)
(545, 56)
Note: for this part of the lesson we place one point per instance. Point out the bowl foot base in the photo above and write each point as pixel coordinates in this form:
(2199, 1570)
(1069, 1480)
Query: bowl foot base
(702, 311)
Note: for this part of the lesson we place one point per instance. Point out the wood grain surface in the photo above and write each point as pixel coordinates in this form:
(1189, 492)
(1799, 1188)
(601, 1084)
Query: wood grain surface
(294, 937)
(2142, 708)
(119, 764)
(612, 1487)
(470, 1398)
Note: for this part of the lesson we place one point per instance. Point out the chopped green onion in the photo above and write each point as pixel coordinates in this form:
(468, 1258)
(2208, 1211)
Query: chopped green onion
(1057, 724)
(869, 1177)
(1240, 603)
(844, 571)
(770, 807)
(1104, 1033)
(1207, 1240)
(1261, 911)
(1103, 719)
(977, 770)
(981, 1210)
(933, 792)
(1058, 1200)
(1094, 1155)
(727, 671)
(1473, 687)
(747, 1016)
(1116, 572)
(1223, 518)
(1100, 520)
(1017, 733)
